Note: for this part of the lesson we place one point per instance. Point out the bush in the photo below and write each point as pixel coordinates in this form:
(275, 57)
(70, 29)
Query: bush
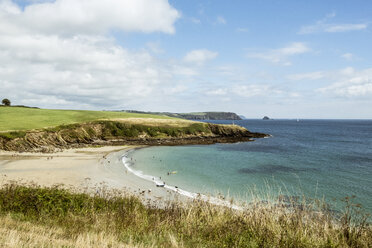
(13, 135)
(6, 102)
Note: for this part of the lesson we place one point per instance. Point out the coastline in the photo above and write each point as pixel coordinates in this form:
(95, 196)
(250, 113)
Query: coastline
(87, 170)
(94, 170)
(185, 195)
(195, 219)
(117, 132)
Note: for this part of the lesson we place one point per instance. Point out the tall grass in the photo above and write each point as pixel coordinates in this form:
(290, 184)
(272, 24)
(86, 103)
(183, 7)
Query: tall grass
(114, 218)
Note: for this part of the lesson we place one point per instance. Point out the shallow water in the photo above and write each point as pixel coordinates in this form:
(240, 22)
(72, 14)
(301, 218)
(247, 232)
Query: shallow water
(315, 158)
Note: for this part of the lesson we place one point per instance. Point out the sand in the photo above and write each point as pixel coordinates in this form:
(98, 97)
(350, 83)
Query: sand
(85, 170)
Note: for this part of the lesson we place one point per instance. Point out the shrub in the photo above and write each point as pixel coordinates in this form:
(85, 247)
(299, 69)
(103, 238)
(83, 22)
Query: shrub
(6, 102)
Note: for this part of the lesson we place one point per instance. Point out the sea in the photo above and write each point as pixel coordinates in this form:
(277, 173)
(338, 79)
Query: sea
(316, 159)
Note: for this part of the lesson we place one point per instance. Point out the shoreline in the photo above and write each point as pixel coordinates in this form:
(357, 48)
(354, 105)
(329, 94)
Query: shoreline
(158, 181)
(84, 170)
(94, 171)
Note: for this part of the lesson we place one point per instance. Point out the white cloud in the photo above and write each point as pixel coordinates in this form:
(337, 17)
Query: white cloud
(336, 28)
(307, 76)
(216, 92)
(281, 55)
(200, 56)
(346, 82)
(175, 90)
(71, 17)
(350, 83)
(332, 28)
(348, 56)
(81, 69)
(227, 70)
(323, 26)
(62, 58)
(221, 20)
(241, 30)
(154, 47)
(195, 20)
(179, 69)
(330, 15)
(255, 90)
(246, 91)
(348, 71)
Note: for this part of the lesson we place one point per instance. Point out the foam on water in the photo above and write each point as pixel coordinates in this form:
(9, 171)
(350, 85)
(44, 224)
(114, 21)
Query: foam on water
(158, 181)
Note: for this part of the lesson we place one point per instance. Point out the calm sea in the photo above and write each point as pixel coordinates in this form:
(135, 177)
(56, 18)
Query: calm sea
(328, 159)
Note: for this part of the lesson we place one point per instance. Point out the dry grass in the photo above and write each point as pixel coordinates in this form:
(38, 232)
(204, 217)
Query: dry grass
(52, 217)
(15, 233)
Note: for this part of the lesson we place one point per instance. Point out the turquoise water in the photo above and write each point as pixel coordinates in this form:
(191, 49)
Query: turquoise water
(315, 158)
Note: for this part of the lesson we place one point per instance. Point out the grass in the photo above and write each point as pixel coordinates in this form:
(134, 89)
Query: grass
(123, 129)
(15, 233)
(13, 135)
(21, 119)
(55, 217)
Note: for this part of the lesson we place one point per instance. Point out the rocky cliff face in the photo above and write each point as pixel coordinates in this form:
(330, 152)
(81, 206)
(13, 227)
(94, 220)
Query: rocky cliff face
(117, 133)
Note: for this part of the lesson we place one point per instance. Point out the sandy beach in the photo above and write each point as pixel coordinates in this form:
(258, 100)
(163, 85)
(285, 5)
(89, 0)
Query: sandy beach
(85, 170)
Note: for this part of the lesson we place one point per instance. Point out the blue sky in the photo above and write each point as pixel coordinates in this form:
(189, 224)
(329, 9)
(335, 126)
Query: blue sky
(284, 59)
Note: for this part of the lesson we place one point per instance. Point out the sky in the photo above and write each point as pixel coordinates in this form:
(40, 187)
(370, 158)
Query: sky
(282, 59)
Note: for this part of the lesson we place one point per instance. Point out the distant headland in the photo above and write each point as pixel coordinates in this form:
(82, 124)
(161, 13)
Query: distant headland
(44, 130)
(194, 115)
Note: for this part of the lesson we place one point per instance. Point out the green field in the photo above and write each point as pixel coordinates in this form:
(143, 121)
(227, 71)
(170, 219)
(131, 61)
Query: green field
(19, 118)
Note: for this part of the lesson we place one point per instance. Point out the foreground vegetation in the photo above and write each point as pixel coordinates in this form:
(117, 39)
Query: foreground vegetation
(21, 119)
(55, 217)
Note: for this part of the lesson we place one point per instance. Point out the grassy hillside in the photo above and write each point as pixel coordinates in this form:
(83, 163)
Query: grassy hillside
(44, 130)
(16, 118)
(52, 217)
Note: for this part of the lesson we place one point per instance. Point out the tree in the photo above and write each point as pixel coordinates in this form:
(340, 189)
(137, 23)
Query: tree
(6, 102)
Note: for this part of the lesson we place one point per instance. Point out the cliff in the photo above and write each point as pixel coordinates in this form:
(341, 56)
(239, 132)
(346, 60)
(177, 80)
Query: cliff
(123, 132)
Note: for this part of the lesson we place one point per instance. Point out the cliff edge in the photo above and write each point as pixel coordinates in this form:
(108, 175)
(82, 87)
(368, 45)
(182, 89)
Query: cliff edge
(135, 131)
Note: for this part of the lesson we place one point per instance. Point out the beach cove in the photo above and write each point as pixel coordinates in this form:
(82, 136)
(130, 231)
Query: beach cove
(89, 170)
(108, 195)
(294, 162)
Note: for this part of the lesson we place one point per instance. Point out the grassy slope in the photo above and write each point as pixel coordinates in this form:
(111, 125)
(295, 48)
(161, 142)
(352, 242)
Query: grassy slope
(15, 118)
(52, 217)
